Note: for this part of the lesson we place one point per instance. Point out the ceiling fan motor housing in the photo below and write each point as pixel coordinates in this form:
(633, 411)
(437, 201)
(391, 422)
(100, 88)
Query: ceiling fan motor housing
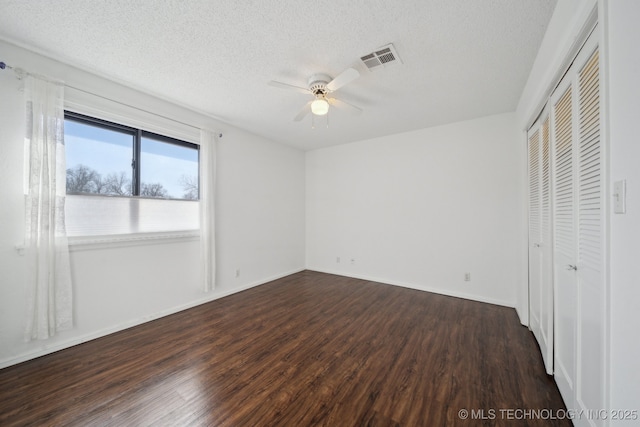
(318, 84)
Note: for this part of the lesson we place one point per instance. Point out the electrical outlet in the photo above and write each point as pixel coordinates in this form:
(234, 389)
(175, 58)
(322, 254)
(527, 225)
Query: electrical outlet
(337, 260)
(353, 261)
(238, 273)
(467, 277)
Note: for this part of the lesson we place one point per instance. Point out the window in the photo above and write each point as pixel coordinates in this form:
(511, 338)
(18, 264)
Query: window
(149, 182)
(111, 159)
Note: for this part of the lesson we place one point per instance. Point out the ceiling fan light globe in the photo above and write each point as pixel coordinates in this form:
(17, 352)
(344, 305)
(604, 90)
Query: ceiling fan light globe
(320, 107)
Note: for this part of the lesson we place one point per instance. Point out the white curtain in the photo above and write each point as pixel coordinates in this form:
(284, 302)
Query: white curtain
(49, 291)
(208, 145)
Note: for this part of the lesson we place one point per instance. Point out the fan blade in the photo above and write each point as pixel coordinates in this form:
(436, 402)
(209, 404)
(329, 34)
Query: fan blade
(347, 76)
(305, 110)
(345, 105)
(292, 87)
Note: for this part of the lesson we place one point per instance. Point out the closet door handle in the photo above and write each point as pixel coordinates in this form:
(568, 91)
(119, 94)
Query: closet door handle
(572, 267)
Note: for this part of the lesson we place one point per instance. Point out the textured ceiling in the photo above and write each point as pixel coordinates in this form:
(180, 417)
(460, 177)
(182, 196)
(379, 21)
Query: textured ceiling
(462, 59)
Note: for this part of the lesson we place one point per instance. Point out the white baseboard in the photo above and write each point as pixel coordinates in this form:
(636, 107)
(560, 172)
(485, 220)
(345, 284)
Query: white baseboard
(48, 349)
(439, 291)
(523, 320)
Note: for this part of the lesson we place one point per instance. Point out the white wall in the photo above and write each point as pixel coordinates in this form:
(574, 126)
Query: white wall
(260, 226)
(420, 209)
(624, 111)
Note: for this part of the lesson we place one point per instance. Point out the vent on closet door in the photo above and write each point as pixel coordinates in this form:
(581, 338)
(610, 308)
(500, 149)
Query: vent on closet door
(563, 155)
(534, 187)
(589, 164)
(545, 204)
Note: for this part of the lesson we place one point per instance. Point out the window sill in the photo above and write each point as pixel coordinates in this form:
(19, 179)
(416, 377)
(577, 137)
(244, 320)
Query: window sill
(81, 243)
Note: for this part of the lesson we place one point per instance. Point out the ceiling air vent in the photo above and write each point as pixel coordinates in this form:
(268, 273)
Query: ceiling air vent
(383, 57)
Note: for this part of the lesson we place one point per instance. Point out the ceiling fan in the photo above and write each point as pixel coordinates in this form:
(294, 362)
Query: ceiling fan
(320, 86)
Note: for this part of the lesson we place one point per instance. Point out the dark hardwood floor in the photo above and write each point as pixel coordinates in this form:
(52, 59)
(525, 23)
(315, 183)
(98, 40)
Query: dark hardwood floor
(309, 349)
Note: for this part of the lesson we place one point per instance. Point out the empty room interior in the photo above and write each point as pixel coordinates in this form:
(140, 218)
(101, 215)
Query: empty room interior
(368, 213)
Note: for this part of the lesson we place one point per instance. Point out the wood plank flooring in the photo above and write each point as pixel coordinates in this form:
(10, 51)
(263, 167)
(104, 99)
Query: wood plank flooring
(310, 349)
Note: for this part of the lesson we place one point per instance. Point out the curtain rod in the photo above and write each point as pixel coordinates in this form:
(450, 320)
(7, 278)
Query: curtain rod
(20, 74)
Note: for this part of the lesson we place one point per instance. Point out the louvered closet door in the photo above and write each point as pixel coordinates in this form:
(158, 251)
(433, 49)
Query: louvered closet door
(546, 251)
(534, 232)
(591, 292)
(564, 242)
(540, 273)
(580, 308)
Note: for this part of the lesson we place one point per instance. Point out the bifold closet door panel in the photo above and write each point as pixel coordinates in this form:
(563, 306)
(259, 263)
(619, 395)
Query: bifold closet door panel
(546, 251)
(564, 235)
(535, 261)
(590, 274)
(540, 253)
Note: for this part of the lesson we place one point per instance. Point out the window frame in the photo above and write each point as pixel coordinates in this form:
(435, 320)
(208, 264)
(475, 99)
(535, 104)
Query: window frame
(137, 135)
